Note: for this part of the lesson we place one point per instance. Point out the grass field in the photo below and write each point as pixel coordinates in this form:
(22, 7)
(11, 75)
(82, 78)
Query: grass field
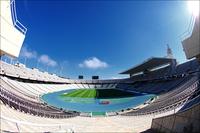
(97, 93)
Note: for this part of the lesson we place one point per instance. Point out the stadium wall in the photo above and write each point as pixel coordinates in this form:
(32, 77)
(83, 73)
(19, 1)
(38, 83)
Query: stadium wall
(12, 32)
(191, 45)
(183, 122)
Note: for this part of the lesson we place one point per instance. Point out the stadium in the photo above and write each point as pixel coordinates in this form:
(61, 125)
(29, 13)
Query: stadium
(160, 95)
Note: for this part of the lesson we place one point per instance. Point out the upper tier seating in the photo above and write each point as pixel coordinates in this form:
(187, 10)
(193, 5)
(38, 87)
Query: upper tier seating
(23, 72)
(168, 101)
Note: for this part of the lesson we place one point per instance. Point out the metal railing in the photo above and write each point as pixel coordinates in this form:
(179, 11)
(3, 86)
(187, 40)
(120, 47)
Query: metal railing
(189, 30)
(15, 21)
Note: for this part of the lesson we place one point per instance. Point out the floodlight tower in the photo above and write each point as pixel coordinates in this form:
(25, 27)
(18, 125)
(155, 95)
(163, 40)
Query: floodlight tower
(169, 52)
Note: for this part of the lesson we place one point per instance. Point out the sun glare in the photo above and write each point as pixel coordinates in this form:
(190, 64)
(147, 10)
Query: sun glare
(193, 7)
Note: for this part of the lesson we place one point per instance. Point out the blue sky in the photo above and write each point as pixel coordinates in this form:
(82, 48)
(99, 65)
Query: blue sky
(99, 37)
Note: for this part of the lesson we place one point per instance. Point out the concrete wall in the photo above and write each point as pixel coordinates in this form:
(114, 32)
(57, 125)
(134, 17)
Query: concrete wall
(191, 45)
(182, 122)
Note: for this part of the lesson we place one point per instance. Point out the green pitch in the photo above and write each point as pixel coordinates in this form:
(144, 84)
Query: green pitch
(83, 93)
(97, 93)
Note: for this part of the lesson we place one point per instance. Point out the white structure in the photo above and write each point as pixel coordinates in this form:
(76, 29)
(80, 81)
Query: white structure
(191, 45)
(12, 32)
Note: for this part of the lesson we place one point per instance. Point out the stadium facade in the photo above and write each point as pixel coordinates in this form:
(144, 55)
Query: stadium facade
(175, 109)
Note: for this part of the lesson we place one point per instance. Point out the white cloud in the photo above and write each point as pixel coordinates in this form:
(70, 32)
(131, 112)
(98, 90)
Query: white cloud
(28, 53)
(45, 59)
(31, 54)
(93, 63)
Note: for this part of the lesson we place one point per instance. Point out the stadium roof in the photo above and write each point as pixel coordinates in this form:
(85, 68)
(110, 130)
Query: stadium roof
(149, 64)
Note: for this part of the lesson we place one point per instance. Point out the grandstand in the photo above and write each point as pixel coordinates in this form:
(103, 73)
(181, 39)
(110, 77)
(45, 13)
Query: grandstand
(176, 86)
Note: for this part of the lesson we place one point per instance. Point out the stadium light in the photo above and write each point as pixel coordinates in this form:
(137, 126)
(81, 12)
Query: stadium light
(193, 7)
